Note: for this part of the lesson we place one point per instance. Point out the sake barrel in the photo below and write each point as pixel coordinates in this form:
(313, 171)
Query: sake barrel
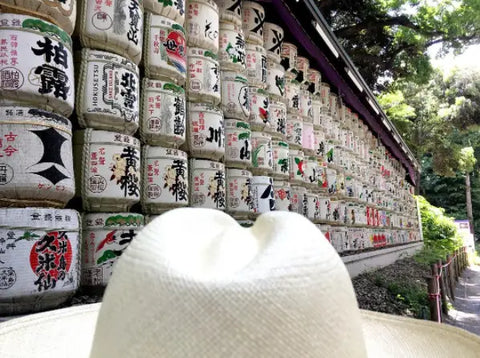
(340, 183)
(256, 65)
(108, 170)
(163, 113)
(275, 80)
(292, 95)
(325, 96)
(205, 131)
(36, 161)
(295, 131)
(325, 210)
(39, 252)
(303, 64)
(305, 105)
(108, 92)
(325, 229)
(253, 18)
(259, 109)
(308, 138)
(208, 186)
(281, 189)
(314, 78)
(263, 198)
(165, 49)
(317, 112)
(332, 181)
(105, 236)
(239, 199)
(313, 206)
(262, 159)
(334, 110)
(37, 64)
(62, 13)
(311, 171)
(203, 83)
(280, 152)
(296, 166)
(235, 101)
(174, 9)
(230, 11)
(232, 47)
(298, 200)
(322, 178)
(115, 26)
(272, 41)
(202, 24)
(278, 119)
(164, 179)
(238, 146)
(288, 56)
(319, 144)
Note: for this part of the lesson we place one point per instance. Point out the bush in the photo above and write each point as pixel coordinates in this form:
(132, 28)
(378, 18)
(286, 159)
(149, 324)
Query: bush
(440, 233)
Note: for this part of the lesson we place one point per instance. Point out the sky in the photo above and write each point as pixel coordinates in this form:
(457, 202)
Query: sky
(470, 58)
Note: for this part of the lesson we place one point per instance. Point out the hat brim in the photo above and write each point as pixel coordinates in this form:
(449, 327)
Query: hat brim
(69, 333)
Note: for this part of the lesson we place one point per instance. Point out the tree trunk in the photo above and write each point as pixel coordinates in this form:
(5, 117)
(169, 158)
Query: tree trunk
(469, 201)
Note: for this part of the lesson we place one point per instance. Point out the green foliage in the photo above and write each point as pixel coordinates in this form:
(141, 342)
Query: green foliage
(389, 38)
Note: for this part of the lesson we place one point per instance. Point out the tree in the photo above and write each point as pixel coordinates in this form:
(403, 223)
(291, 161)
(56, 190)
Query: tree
(388, 39)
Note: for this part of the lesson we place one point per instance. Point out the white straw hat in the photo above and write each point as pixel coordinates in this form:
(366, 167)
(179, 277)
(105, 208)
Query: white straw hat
(196, 284)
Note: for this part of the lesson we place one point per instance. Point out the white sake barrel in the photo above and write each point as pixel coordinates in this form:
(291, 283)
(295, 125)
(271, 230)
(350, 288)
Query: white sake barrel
(298, 202)
(305, 107)
(203, 83)
(108, 170)
(108, 92)
(280, 152)
(165, 49)
(202, 24)
(207, 184)
(164, 179)
(311, 172)
(325, 229)
(105, 236)
(335, 211)
(235, 101)
(292, 95)
(115, 26)
(314, 79)
(174, 9)
(313, 206)
(275, 80)
(308, 138)
(319, 144)
(263, 197)
(278, 119)
(238, 146)
(296, 167)
(37, 64)
(40, 258)
(205, 131)
(289, 56)
(259, 109)
(256, 65)
(272, 41)
(262, 159)
(253, 18)
(322, 178)
(62, 13)
(325, 211)
(325, 96)
(239, 199)
(230, 11)
(340, 183)
(295, 131)
(36, 161)
(163, 113)
(282, 195)
(317, 112)
(334, 110)
(232, 53)
(303, 64)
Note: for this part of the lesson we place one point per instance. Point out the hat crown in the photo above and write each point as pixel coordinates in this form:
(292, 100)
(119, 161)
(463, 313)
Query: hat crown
(196, 284)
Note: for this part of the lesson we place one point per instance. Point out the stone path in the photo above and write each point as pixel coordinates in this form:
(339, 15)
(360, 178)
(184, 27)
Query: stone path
(466, 307)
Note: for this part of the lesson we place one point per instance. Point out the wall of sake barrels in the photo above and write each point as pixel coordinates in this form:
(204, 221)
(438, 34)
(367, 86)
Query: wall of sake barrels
(166, 105)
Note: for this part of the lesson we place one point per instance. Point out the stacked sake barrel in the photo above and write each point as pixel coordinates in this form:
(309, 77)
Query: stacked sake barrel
(39, 239)
(106, 152)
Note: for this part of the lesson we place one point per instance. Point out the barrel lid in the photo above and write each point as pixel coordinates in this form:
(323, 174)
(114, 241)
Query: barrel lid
(231, 172)
(224, 25)
(96, 55)
(152, 85)
(39, 218)
(196, 51)
(160, 152)
(205, 164)
(233, 76)
(30, 115)
(117, 220)
(159, 20)
(204, 107)
(257, 91)
(233, 123)
(104, 137)
(261, 135)
(210, 3)
(280, 144)
(255, 47)
(265, 180)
